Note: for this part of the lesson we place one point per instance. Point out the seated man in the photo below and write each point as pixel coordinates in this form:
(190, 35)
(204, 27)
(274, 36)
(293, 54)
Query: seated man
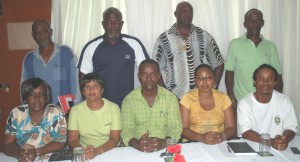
(150, 113)
(267, 111)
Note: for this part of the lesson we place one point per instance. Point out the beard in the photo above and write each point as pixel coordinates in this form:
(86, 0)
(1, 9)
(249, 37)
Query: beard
(44, 44)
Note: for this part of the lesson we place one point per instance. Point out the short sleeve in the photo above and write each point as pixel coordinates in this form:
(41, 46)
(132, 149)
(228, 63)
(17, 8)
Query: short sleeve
(275, 61)
(73, 122)
(185, 101)
(226, 102)
(116, 119)
(243, 117)
(290, 116)
(11, 124)
(230, 60)
(59, 132)
(214, 54)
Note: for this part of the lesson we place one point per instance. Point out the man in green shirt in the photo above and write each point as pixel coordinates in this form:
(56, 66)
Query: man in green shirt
(150, 113)
(247, 53)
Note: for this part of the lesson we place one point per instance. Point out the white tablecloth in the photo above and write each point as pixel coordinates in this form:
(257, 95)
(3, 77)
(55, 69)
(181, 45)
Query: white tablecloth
(193, 152)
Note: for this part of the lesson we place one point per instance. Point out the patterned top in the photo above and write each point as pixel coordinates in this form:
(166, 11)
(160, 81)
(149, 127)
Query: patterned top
(202, 121)
(161, 120)
(178, 57)
(52, 128)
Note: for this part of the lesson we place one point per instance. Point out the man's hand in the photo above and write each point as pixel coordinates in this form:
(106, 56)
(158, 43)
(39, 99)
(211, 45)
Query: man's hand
(148, 144)
(144, 143)
(280, 143)
(157, 143)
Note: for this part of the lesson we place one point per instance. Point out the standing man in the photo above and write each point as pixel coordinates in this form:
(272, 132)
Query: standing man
(113, 56)
(267, 111)
(247, 53)
(53, 63)
(182, 48)
(150, 113)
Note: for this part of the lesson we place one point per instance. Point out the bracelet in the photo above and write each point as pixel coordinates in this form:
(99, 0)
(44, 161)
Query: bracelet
(37, 152)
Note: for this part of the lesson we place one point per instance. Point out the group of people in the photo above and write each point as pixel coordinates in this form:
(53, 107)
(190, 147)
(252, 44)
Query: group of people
(177, 98)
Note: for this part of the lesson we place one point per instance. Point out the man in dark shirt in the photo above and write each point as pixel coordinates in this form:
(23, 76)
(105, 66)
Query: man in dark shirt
(114, 56)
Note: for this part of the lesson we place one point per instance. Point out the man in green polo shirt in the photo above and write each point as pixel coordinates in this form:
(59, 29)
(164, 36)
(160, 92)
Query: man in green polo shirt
(150, 113)
(245, 54)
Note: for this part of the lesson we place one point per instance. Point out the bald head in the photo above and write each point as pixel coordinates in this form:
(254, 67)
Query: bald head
(41, 33)
(184, 14)
(40, 22)
(182, 4)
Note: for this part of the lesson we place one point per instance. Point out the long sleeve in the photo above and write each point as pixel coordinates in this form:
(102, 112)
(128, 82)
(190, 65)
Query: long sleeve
(128, 122)
(74, 80)
(174, 119)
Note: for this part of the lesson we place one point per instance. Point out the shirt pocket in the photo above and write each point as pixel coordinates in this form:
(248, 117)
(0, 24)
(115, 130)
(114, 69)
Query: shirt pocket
(162, 118)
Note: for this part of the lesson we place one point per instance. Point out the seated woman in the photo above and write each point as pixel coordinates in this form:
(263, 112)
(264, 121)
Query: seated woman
(37, 127)
(95, 123)
(206, 113)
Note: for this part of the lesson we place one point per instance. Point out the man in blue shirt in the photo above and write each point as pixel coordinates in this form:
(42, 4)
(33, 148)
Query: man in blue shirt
(53, 63)
(114, 56)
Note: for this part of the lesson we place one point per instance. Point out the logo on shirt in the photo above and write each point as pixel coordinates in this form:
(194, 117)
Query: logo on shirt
(127, 57)
(277, 119)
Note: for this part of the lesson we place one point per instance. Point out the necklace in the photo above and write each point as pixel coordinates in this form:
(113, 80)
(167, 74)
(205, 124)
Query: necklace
(39, 121)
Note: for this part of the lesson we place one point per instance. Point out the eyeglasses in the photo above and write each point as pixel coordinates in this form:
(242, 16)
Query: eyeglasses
(91, 87)
(209, 78)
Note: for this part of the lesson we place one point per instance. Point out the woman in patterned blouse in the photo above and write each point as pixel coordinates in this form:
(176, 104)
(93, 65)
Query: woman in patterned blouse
(36, 127)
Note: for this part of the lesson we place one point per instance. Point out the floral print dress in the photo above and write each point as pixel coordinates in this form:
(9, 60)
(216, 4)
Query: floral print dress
(53, 127)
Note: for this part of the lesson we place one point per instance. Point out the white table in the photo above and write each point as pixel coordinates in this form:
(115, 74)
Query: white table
(193, 152)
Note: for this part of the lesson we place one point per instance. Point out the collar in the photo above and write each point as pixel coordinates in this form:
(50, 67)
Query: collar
(118, 39)
(261, 36)
(56, 50)
(173, 29)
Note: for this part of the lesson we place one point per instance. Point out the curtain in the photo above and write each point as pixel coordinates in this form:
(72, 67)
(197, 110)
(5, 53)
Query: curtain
(75, 22)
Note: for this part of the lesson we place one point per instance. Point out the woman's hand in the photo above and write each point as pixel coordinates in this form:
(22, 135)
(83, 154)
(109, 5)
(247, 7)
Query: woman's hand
(27, 155)
(90, 152)
(212, 138)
